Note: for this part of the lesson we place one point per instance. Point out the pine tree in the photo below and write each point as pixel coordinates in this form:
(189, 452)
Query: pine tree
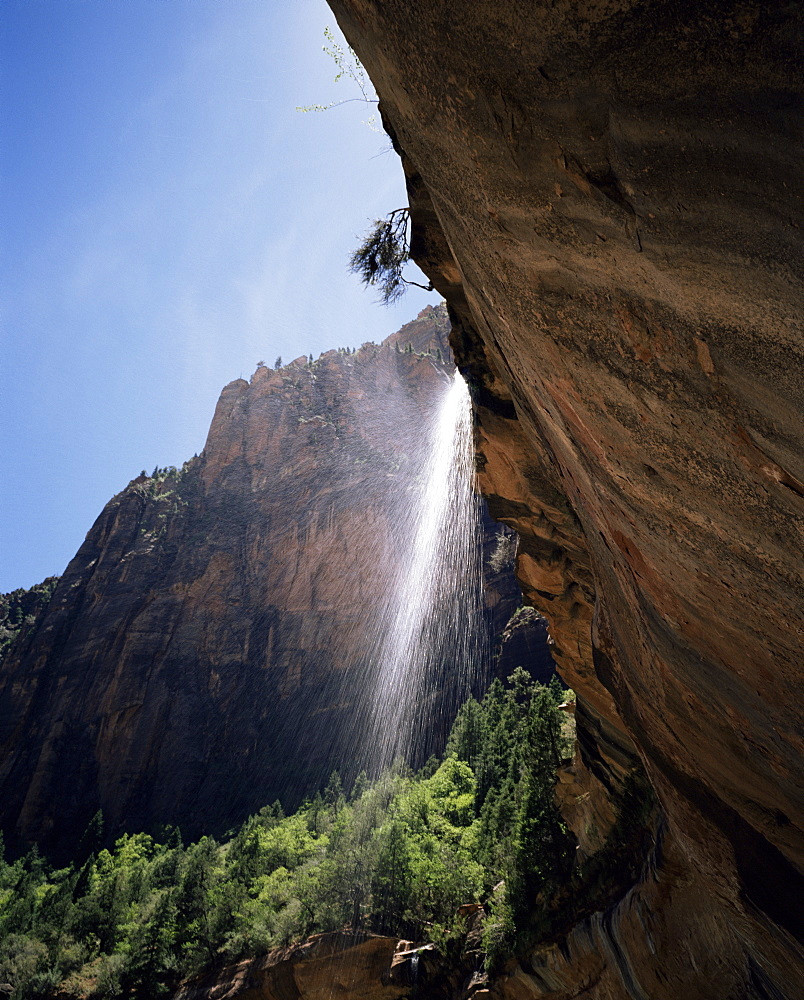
(360, 785)
(333, 793)
(391, 880)
(468, 733)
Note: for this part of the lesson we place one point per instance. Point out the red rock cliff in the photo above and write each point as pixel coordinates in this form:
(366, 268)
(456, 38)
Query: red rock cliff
(609, 195)
(203, 652)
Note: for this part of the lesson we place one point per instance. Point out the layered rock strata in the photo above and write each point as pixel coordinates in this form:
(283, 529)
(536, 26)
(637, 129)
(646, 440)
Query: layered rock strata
(610, 198)
(205, 651)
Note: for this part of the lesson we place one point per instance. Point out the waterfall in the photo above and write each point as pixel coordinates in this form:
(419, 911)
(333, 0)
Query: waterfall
(434, 616)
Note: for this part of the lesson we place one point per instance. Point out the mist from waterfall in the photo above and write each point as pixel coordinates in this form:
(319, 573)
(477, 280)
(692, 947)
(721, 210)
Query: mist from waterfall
(433, 621)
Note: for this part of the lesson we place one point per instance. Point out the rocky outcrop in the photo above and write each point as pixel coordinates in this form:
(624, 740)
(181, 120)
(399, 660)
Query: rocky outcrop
(205, 652)
(525, 642)
(20, 609)
(355, 965)
(610, 199)
(343, 963)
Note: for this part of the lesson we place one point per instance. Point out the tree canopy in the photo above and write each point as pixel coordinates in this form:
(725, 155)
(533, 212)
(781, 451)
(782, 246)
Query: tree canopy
(398, 855)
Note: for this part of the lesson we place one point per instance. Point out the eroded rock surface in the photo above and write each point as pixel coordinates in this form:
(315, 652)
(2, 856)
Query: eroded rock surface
(609, 195)
(204, 653)
(340, 965)
(343, 964)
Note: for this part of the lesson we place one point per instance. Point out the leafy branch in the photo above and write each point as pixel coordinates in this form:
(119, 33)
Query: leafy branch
(348, 66)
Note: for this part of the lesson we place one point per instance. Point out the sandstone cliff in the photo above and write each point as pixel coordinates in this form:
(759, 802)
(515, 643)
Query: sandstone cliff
(204, 653)
(609, 196)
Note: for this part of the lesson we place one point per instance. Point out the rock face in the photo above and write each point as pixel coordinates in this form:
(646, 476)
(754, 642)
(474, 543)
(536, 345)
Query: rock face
(352, 965)
(21, 608)
(343, 964)
(610, 198)
(204, 653)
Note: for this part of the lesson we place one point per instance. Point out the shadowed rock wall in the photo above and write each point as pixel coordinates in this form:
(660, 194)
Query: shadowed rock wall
(609, 195)
(204, 653)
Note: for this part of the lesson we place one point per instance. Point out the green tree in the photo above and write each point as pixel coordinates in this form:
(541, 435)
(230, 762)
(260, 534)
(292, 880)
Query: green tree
(360, 785)
(149, 944)
(467, 735)
(392, 877)
(194, 906)
(22, 959)
(495, 760)
(315, 814)
(399, 856)
(333, 793)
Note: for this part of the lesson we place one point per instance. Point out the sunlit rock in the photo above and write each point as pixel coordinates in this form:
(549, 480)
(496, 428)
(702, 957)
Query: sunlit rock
(351, 966)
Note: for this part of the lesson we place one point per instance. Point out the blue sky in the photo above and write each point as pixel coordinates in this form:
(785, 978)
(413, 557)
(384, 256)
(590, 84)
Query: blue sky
(168, 220)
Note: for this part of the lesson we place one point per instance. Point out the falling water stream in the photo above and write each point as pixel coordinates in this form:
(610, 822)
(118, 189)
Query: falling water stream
(433, 620)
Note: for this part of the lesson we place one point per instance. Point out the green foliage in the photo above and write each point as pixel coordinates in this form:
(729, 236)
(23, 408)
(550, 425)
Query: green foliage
(466, 739)
(349, 67)
(499, 928)
(161, 478)
(397, 856)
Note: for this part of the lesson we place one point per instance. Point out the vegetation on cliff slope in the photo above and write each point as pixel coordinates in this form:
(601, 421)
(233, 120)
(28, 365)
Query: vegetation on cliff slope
(22, 607)
(398, 856)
